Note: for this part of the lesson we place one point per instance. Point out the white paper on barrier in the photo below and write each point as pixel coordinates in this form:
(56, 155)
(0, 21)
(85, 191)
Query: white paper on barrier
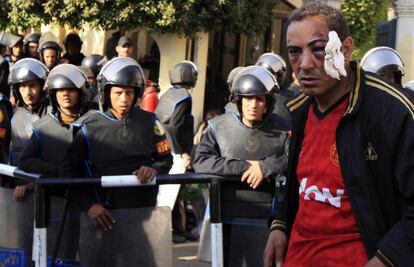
(7, 170)
(35, 245)
(123, 181)
(217, 244)
(40, 252)
(167, 193)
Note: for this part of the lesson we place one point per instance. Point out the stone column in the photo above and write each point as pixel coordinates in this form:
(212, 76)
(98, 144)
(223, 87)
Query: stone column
(405, 36)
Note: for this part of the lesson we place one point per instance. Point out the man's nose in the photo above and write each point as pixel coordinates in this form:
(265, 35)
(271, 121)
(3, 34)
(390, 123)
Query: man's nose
(306, 61)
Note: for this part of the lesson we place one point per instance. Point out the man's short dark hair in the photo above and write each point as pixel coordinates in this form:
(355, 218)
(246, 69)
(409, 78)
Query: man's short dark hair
(335, 20)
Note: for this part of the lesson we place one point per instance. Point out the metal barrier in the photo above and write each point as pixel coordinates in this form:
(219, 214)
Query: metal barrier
(40, 214)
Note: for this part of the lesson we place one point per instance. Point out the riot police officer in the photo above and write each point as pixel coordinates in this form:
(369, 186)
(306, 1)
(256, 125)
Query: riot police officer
(253, 146)
(68, 90)
(119, 141)
(31, 45)
(386, 62)
(231, 106)
(277, 66)
(73, 46)
(94, 64)
(49, 53)
(27, 77)
(174, 112)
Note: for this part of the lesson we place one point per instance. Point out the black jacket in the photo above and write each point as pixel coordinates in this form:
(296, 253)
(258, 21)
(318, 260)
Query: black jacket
(376, 151)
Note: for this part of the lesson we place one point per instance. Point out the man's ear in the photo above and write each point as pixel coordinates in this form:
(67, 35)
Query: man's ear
(347, 47)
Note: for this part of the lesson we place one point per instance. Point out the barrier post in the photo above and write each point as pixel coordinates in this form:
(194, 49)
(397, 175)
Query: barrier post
(216, 224)
(40, 235)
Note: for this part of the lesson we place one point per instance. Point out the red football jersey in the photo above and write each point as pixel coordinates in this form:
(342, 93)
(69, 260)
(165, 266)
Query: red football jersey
(325, 232)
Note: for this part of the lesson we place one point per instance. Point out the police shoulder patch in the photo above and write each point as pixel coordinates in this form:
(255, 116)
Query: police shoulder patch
(158, 130)
(163, 147)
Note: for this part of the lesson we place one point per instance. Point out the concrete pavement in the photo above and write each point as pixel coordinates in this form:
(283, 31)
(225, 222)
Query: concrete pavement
(185, 255)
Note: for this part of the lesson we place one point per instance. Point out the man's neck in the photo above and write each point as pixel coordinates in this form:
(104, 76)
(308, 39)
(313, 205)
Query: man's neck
(70, 112)
(119, 116)
(14, 58)
(32, 108)
(250, 124)
(327, 100)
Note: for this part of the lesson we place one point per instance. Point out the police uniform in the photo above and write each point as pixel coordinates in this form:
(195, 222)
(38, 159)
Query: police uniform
(118, 147)
(21, 124)
(174, 112)
(225, 149)
(5, 128)
(56, 129)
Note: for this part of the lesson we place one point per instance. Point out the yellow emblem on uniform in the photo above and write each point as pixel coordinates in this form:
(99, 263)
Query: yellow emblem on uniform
(158, 130)
(163, 147)
(1, 115)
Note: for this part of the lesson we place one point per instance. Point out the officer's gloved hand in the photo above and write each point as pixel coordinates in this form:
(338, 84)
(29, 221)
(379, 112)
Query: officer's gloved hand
(253, 175)
(145, 174)
(101, 216)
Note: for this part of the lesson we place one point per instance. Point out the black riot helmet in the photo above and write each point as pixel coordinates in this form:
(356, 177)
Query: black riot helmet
(255, 81)
(230, 80)
(275, 64)
(382, 60)
(72, 37)
(184, 73)
(120, 71)
(24, 70)
(50, 45)
(33, 37)
(67, 76)
(92, 62)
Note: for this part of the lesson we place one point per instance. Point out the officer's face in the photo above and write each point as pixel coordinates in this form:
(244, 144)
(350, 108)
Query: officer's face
(17, 50)
(124, 51)
(253, 109)
(389, 76)
(50, 57)
(31, 93)
(73, 48)
(68, 99)
(32, 48)
(122, 99)
(306, 41)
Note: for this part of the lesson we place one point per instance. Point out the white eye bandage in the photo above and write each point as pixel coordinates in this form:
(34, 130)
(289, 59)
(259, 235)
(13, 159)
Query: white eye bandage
(334, 59)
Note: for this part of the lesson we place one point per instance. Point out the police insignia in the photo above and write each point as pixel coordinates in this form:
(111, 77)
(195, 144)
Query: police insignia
(158, 130)
(163, 147)
(1, 115)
